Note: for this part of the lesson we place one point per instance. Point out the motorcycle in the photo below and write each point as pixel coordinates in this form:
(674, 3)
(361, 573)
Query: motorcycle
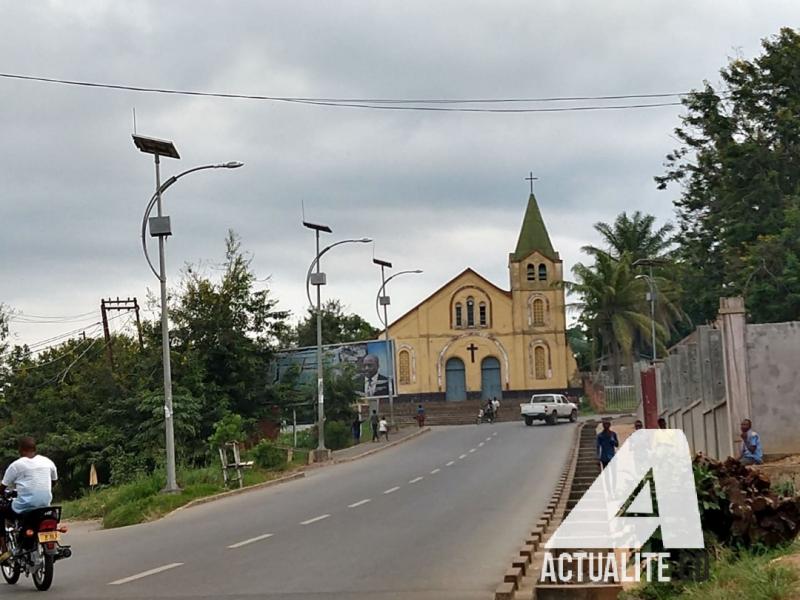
(34, 540)
(485, 416)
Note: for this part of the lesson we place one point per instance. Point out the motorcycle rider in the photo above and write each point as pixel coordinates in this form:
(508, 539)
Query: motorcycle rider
(32, 476)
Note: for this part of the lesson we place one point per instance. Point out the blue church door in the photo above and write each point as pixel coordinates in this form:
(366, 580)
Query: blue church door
(490, 379)
(455, 380)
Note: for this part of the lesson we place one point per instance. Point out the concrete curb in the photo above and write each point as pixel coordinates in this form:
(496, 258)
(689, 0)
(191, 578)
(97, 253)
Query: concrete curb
(237, 492)
(522, 566)
(348, 459)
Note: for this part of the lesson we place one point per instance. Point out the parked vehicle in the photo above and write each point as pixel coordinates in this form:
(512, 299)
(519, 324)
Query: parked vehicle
(34, 540)
(548, 408)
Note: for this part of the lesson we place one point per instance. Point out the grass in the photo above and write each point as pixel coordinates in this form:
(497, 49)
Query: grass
(749, 575)
(141, 500)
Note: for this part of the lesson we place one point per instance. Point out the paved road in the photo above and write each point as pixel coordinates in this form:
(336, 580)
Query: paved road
(437, 517)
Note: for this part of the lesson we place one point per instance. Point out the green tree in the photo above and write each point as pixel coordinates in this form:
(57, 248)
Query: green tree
(635, 236)
(613, 310)
(739, 173)
(224, 334)
(338, 327)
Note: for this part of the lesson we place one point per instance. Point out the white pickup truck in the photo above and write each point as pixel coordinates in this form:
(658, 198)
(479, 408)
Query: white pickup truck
(548, 408)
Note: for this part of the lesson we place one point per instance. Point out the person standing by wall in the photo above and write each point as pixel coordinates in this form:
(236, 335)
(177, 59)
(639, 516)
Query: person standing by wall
(373, 423)
(420, 416)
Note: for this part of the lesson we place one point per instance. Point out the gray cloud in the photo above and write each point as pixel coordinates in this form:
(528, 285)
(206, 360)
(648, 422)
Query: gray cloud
(437, 191)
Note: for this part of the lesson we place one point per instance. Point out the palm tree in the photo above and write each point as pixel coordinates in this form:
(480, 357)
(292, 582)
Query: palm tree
(612, 303)
(634, 236)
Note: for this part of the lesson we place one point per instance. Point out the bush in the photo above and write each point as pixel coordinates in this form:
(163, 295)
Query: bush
(337, 435)
(229, 428)
(268, 456)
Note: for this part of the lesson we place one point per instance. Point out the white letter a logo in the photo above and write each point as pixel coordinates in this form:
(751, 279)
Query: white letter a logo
(595, 522)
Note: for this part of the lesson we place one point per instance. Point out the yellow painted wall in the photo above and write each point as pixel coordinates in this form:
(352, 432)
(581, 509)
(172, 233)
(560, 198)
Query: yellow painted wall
(429, 334)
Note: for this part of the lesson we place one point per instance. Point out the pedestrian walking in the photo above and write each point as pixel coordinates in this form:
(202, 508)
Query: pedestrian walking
(495, 407)
(662, 423)
(373, 423)
(356, 425)
(420, 416)
(751, 452)
(607, 443)
(383, 428)
(637, 425)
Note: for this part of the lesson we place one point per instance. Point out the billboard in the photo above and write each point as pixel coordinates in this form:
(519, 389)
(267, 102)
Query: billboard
(370, 364)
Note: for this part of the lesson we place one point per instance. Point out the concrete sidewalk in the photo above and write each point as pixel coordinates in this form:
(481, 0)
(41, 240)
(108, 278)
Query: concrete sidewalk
(367, 446)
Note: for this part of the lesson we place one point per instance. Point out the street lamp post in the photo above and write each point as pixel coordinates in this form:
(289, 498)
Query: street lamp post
(317, 278)
(160, 227)
(651, 285)
(384, 300)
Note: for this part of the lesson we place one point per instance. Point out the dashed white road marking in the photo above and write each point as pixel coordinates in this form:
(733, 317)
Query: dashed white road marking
(416, 479)
(450, 464)
(488, 439)
(314, 520)
(390, 490)
(495, 433)
(145, 574)
(359, 503)
(471, 450)
(435, 471)
(481, 444)
(463, 456)
(258, 538)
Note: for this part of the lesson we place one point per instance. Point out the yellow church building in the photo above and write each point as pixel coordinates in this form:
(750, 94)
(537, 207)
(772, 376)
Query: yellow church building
(474, 340)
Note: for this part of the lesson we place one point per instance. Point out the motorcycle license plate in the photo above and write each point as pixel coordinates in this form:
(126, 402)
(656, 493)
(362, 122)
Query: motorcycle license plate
(48, 536)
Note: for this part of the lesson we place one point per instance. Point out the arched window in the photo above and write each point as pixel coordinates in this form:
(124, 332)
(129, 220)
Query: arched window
(459, 315)
(482, 314)
(470, 312)
(538, 312)
(539, 363)
(542, 272)
(404, 367)
(531, 272)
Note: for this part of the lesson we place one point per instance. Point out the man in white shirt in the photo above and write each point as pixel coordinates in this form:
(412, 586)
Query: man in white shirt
(31, 476)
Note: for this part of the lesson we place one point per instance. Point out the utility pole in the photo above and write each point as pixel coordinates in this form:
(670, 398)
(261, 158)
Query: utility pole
(129, 304)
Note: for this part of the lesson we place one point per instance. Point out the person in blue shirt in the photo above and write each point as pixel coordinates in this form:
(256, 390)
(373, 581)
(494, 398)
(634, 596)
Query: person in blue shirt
(607, 443)
(751, 453)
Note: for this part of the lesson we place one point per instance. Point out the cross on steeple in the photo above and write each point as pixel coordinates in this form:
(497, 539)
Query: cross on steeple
(531, 178)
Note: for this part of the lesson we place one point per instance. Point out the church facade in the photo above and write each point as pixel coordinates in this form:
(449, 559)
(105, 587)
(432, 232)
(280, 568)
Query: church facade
(474, 340)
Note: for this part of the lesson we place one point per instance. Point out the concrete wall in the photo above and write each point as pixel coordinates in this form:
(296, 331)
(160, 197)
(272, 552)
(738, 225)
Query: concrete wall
(719, 375)
(691, 391)
(773, 357)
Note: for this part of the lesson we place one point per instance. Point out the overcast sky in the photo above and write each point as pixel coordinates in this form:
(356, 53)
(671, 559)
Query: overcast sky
(437, 191)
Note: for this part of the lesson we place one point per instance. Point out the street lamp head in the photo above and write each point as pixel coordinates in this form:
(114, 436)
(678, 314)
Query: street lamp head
(417, 271)
(234, 164)
(365, 240)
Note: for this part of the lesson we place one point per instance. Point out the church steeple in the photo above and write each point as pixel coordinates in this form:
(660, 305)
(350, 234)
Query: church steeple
(533, 235)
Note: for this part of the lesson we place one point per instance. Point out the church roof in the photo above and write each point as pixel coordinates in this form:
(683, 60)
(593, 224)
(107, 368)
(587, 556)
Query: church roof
(533, 235)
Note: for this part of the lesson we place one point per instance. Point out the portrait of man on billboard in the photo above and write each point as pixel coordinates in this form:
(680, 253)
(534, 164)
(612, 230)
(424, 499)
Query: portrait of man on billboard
(374, 383)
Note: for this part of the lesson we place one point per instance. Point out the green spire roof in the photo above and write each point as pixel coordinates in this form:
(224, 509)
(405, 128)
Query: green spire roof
(533, 235)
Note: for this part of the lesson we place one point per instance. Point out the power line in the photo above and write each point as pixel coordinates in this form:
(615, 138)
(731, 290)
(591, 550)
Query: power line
(387, 103)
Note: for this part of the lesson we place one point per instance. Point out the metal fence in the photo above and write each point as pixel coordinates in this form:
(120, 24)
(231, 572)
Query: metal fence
(620, 398)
